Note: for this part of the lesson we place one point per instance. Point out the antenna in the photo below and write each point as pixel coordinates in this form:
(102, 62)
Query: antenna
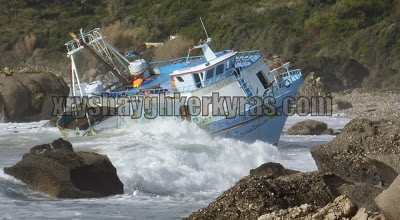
(204, 27)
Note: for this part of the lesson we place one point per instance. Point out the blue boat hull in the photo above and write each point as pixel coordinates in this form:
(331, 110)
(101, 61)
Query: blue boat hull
(264, 128)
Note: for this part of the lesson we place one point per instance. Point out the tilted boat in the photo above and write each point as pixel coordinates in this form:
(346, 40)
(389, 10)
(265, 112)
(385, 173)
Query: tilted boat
(253, 95)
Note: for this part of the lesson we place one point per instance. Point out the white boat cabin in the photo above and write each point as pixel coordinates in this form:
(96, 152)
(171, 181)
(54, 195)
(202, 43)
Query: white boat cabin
(218, 66)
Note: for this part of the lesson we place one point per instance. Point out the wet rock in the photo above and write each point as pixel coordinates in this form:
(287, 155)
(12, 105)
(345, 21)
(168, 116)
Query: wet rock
(59, 145)
(309, 127)
(365, 151)
(28, 96)
(62, 173)
(272, 170)
(254, 195)
(388, 201)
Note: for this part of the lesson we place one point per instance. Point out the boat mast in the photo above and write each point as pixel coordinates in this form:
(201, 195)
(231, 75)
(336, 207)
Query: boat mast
(204, 46)
(204, 27)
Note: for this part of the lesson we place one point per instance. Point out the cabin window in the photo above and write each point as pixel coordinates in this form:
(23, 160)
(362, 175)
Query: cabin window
(180, 79)
(210, 74)
(197, 80)
(220, 69)
(262, 79)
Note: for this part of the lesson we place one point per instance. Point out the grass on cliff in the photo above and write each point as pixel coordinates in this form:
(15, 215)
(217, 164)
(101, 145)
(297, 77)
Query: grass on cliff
(326, 35)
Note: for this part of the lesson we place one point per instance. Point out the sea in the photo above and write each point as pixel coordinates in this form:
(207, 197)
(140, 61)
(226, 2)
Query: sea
(169, 169)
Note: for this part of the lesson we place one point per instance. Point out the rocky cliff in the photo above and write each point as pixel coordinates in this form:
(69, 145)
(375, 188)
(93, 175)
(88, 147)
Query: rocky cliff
(26, 95)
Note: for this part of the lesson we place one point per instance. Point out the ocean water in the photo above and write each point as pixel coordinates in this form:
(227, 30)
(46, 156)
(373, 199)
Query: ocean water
(169, 169)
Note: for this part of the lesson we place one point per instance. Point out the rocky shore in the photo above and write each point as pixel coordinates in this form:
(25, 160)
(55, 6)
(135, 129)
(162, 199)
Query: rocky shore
(358, 173)
(372, 104)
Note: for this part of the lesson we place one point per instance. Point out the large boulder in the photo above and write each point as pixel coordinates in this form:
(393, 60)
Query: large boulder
(58, 171)
(255, 195)
(388, 201)
(272, 170)
(309, 127)
(28, 96)
(365, 151)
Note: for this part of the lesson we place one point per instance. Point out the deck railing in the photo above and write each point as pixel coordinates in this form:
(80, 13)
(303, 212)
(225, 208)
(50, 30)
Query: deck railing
(287, 79)
(174, 61)
(245, 57)
(184, 89)
(87, 37)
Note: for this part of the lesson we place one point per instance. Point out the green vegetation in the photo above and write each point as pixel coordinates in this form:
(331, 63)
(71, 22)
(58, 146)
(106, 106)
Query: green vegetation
(355, 42)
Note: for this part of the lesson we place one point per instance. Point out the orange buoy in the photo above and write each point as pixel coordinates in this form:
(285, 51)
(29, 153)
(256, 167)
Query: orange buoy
(137, 82)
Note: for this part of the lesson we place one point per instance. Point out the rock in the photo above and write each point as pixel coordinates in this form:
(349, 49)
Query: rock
(313, 89)
(309, 127)
(7, 71)
(255, 195)
(28, 96)
(362, 214)
(299, 212)
(341, 105)
(62, 173)
(365, 151)
(2, 109)
(388, 201)
(339, 209)
(59, 145)
(329, 131)
(313, 86)
(363, 194)
(272, 170)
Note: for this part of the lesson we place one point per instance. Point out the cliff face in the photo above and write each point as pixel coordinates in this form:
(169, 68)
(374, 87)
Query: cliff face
(27, 96)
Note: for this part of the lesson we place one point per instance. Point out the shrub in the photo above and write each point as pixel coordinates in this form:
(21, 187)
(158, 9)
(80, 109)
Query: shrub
(171, 49)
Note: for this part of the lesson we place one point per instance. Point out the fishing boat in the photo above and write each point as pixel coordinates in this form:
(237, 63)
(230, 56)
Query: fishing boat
(253, 95)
